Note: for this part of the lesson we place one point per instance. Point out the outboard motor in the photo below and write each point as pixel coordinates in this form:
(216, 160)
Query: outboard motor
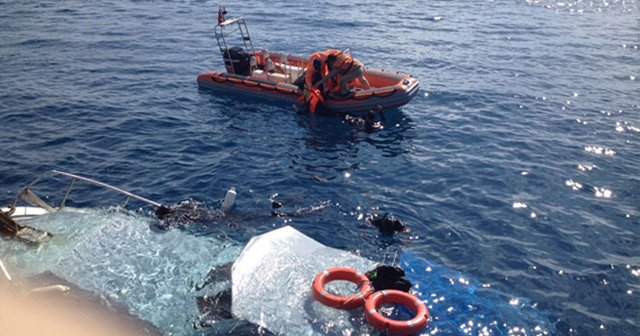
(237, 61)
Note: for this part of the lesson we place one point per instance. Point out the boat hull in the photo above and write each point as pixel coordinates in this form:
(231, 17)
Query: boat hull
(398, 90)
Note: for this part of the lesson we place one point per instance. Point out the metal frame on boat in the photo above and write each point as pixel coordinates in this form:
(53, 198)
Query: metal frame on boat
(37, 206)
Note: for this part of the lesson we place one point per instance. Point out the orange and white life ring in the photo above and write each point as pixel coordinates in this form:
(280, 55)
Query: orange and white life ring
(395, 327)
(342, 302)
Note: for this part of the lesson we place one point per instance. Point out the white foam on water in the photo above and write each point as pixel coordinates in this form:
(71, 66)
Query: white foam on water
(118, 256)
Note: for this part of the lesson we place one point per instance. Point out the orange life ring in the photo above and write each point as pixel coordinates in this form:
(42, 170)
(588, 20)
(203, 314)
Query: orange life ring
(342, 302)
(394, 327)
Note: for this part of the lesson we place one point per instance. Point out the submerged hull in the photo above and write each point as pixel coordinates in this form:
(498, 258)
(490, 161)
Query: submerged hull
(390, 90)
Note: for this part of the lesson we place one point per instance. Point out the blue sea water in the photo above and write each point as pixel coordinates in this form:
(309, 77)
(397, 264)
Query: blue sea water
(516, 165)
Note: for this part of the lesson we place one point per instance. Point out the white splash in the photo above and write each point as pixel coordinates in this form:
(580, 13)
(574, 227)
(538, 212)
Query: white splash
(608, 114)
(599, 150)
(633, 129)
(573, 184)
(586, 167)
(602, 192)
(518, 205)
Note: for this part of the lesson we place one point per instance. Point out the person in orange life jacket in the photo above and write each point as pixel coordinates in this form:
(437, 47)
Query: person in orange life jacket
(313, 94)
(314, 73)
(349, 68)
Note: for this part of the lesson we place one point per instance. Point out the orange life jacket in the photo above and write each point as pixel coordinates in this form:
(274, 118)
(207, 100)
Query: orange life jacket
(315, 97)
(343, 61)
(322, 56)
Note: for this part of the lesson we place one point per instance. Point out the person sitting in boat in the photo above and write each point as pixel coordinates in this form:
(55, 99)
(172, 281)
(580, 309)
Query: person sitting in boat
(267, 63)
(349, 68)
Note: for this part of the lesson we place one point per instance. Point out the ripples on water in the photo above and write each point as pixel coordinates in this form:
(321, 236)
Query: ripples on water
(516, 165)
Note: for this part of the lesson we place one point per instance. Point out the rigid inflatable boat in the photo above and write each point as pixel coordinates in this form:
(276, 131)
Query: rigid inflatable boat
(246, 74)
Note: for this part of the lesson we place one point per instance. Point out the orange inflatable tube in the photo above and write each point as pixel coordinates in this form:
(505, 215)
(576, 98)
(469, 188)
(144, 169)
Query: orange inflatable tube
(394, 327)
(342, 302)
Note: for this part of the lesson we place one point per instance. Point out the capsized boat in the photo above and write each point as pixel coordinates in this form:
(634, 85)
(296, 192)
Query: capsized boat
(246, 73)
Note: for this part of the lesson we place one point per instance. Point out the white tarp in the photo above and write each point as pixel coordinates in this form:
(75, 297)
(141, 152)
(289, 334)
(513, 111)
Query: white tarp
(272, 280)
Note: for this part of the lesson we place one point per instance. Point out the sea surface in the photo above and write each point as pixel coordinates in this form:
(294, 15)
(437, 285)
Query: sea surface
(517, 165)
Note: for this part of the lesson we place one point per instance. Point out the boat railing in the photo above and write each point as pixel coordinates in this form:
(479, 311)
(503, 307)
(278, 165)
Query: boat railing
(28, 195)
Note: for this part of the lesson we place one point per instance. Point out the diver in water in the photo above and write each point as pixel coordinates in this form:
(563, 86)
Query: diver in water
(388, 277)
(369, 122)
(387, 223)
